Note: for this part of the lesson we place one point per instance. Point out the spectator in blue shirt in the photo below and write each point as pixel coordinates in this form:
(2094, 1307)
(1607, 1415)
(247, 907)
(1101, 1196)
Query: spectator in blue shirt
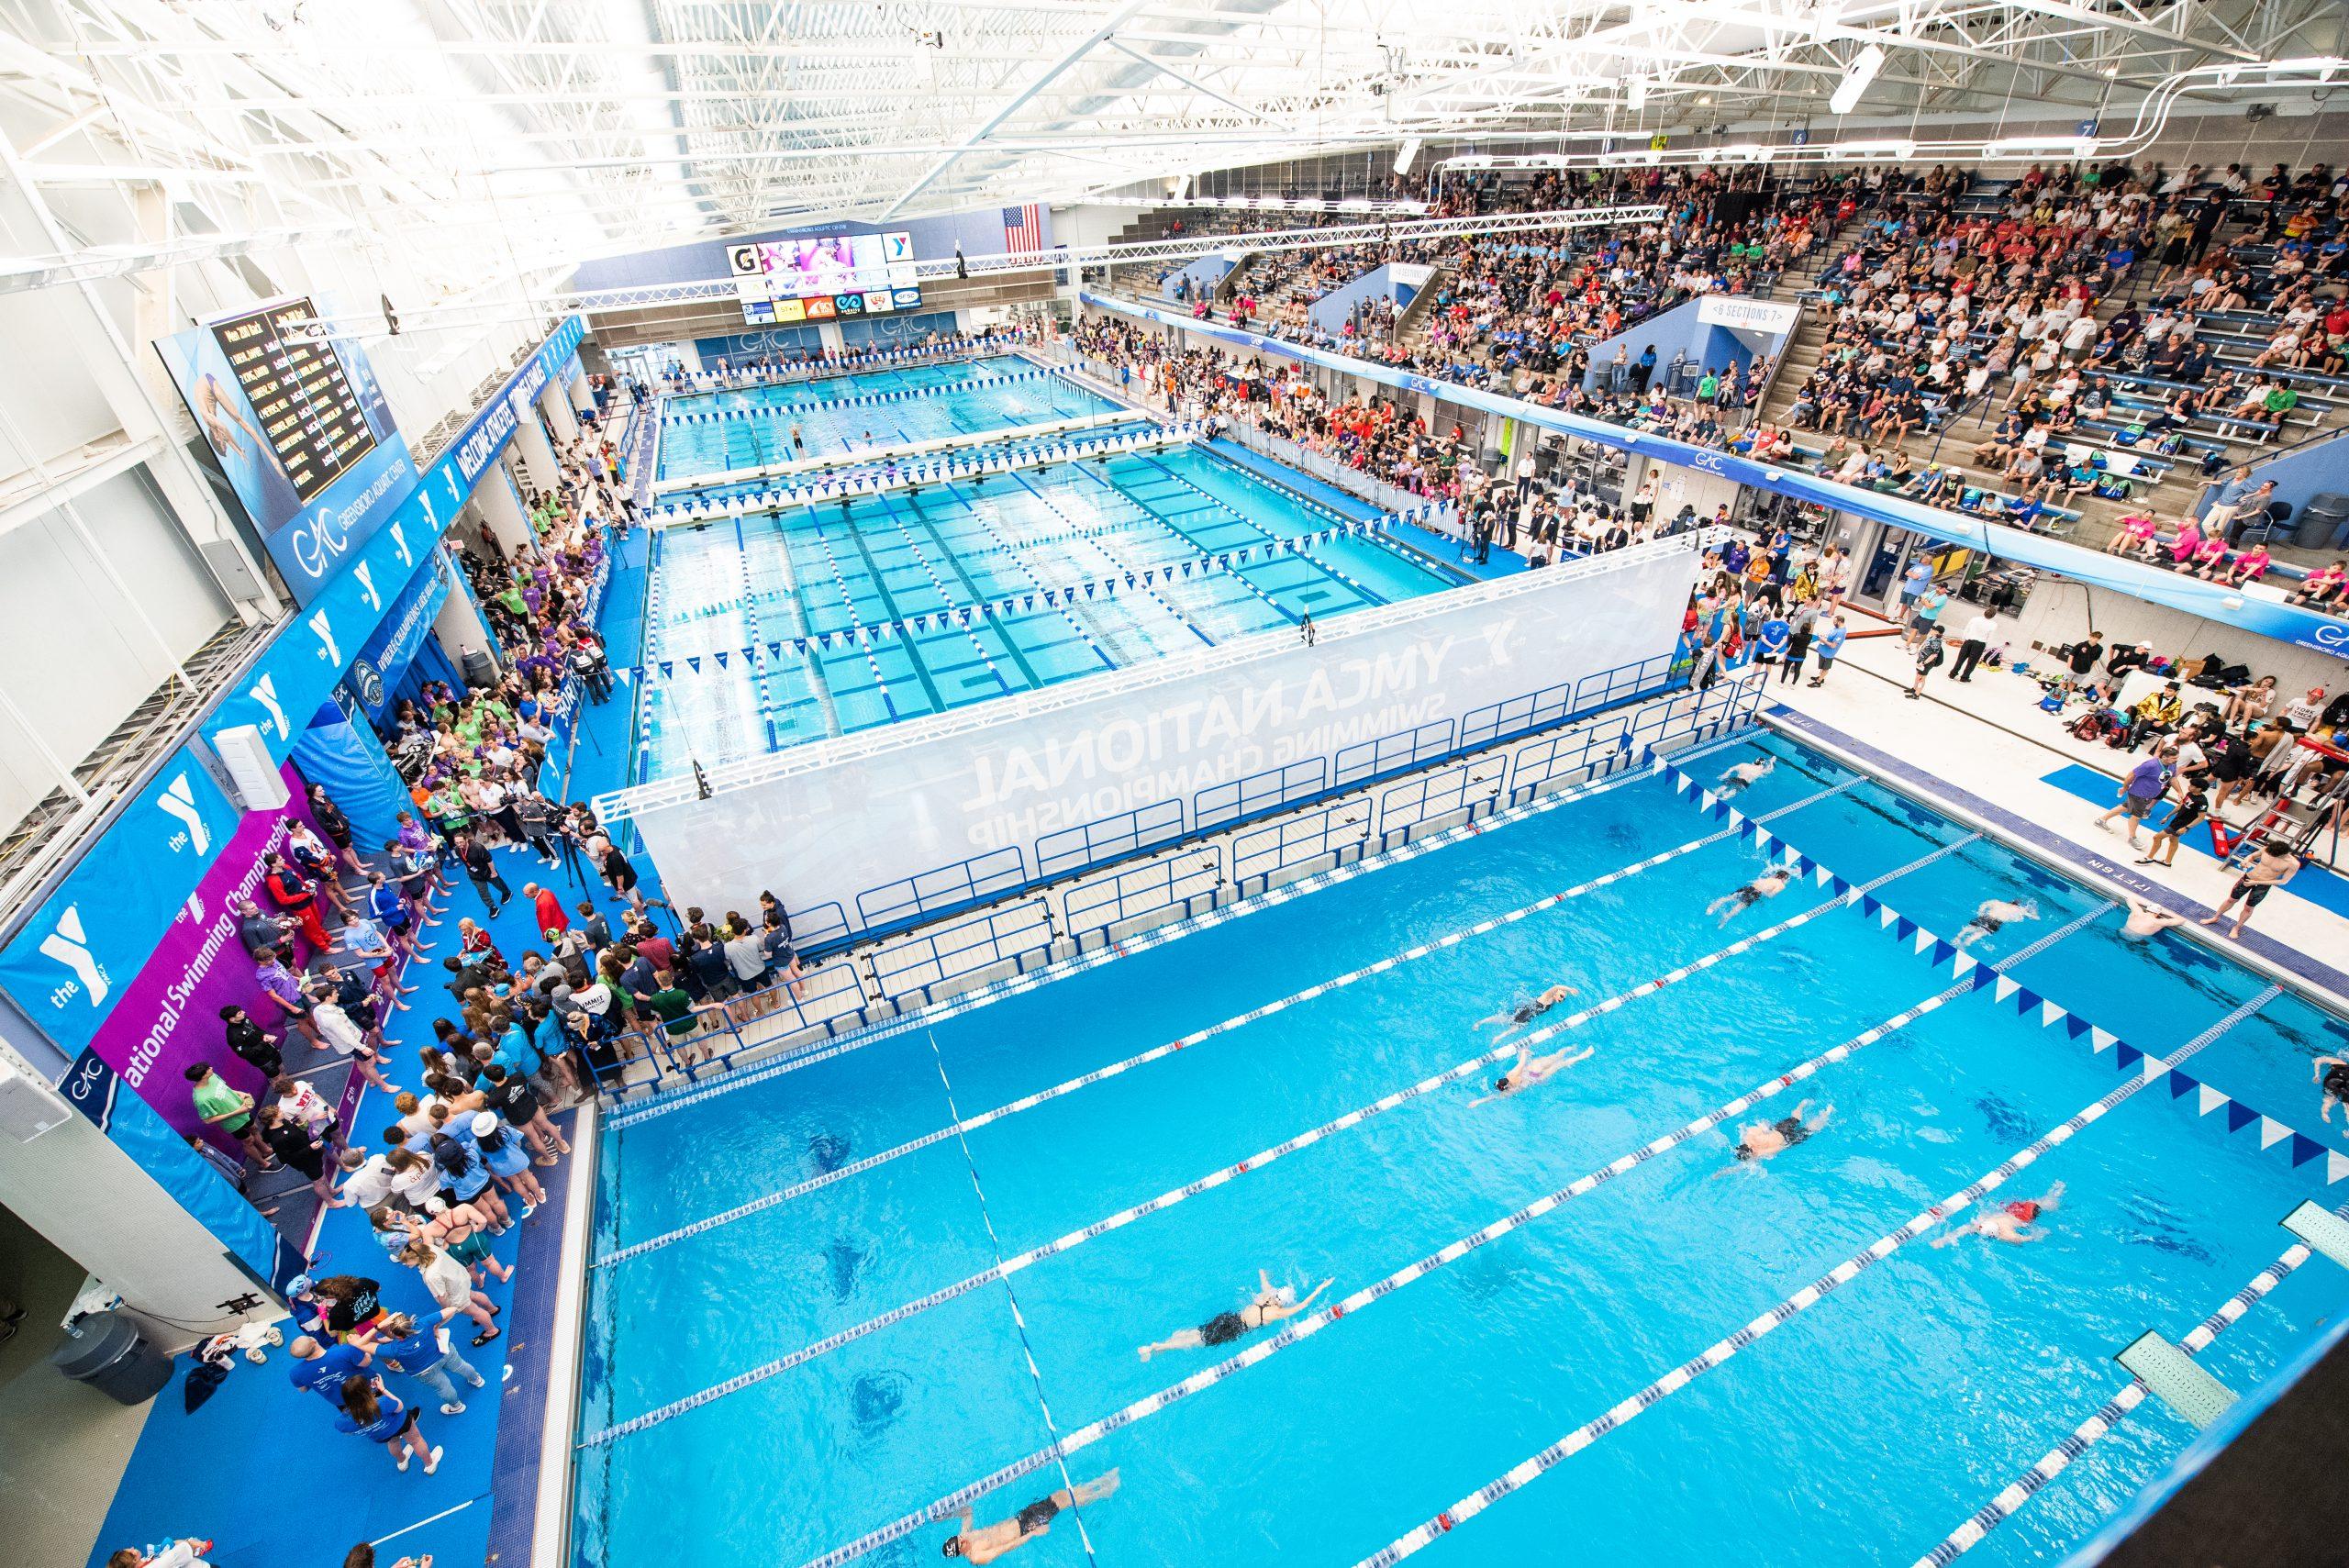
(322, 1368)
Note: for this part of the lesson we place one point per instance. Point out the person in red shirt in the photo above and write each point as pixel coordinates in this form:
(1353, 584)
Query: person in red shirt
(292, 893)
(553, 921)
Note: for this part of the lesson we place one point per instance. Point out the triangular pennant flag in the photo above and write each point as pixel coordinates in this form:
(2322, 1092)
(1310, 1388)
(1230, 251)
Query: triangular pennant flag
(2208, 1100)
(720, 656)
(2129, 1057)
(2240, 1116)
(625, 674)
(1924, 940)
(2075, 1024)
(668, 668)
(2100, 1039)
(2272, 1132)
(2049, 1013)
(2153, 1069)
(2304, 1150)
(2335, 1167)
(1964, 966)
(2180, 1083)
(2025, 999)
(694, 660)
(1943, 953)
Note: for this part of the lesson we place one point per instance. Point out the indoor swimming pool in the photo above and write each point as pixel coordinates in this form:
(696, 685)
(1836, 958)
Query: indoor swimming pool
(839, 417)
(844, 1293)
(868, 613)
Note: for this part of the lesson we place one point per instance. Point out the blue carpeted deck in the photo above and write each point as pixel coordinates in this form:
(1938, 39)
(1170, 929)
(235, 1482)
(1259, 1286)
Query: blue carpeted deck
(2321, 886)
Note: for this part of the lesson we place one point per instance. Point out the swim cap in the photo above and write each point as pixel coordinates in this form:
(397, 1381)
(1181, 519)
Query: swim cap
(435, 1206)
(954, 1547)
(484, 1123)
(1501, 1082)
(298, 1285)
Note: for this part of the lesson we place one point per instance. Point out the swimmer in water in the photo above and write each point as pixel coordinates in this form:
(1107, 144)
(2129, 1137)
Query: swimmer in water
(1993, 913)
(1271, 1303)
(1762, 1139)
(2332, 1071)
(985, 1543)
(2145, 919)
(1524, 1013)
(2009, 1222)
(1531, 1072)
(1744, 776)
(1769, 885)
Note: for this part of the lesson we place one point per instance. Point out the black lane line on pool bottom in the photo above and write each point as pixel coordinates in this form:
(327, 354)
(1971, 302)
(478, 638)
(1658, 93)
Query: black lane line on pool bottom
(1238, 1020)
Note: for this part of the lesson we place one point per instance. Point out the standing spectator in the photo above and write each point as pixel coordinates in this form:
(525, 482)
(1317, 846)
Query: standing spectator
(2146, 784)
(374, 1413)
(429, 1356)
(255, 1048)
(221, 1104)
(1829, 644)
(1973, 642)
(474, 855)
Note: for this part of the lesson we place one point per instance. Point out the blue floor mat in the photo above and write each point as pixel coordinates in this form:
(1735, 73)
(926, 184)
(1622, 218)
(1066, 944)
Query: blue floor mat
(2325, 888)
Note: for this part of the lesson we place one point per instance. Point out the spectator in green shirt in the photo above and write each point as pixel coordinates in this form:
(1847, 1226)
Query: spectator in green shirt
(679, 1016)
(222, 1104)
(2280, 401)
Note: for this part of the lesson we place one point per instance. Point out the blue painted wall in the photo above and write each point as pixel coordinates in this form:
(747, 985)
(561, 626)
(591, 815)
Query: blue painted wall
(737, 346)
(886, 330)
(1204, 274)
(1330, 311)
(2321, 469)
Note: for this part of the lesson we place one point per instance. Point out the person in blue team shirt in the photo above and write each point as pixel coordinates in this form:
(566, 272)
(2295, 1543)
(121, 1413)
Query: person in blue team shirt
(1829, 643)
(323, 1369)
(429, 1356)
(1770, 645)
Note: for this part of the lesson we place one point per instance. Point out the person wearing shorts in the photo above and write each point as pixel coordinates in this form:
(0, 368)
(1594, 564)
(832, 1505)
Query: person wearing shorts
(2276, 864)
(2146, 784)
(985, 1543)
(2193, 805)
(1829, 644)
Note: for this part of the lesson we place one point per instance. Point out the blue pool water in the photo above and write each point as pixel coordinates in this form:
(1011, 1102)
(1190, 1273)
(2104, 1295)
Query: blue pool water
(1861, 1432)
(894, 559)
(946, 400)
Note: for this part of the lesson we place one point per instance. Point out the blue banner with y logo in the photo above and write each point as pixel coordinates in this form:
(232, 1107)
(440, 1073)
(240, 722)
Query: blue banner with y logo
(101, 923)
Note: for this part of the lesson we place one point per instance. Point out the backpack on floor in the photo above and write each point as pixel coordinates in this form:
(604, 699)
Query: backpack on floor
(2113, 488)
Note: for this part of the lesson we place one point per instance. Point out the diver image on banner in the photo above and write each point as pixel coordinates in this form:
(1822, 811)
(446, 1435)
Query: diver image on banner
(300, 428)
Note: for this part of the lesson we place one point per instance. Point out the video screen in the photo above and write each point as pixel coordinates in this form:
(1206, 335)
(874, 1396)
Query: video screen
(825, 276)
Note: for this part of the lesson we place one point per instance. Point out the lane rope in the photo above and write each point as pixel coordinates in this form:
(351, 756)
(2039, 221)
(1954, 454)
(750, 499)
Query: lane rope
(1302, 1328)
(1535, 1467)
(665, 1101)
(2053, 1462)
(1237, 1021)
(1174, 1195)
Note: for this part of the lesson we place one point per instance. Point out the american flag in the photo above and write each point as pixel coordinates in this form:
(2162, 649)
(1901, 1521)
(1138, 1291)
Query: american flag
(1023, 227)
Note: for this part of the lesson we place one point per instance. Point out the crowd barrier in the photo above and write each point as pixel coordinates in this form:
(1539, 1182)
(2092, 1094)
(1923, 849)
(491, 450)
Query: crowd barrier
(693, 382)
(1021, 925)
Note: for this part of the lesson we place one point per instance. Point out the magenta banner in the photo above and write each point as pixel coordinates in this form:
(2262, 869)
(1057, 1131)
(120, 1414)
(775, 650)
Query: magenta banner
(169, 1015)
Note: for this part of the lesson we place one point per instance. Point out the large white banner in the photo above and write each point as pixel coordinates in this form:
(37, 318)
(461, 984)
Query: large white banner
(825, 823)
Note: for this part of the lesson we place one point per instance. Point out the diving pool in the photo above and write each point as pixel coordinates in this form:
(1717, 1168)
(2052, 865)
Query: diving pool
(841, 417)
(802, 1334)
(778, 628)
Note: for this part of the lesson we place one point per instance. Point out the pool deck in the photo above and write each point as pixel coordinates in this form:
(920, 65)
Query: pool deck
(1984, 752)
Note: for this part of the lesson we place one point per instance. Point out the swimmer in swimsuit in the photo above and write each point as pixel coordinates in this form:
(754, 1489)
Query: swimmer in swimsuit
(2275, 865)
(1764, 1139)
(1769, 885)
(988, 1542)
(1993, 913)
(1525, 1013)
(2009, 1222)
(1271, 1304)
(1744, 776)
(2145, 919)
(2332, 1071)
(1531, 1072)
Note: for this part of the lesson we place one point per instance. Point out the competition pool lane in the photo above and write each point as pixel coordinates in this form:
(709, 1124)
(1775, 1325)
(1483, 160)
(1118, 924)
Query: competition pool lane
(1861, 1432)
(838, 416)
(798, 586)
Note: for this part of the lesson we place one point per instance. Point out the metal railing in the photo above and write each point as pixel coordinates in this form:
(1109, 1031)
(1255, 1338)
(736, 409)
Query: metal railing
(1183, 879)
(1114, 838)
(941, 888)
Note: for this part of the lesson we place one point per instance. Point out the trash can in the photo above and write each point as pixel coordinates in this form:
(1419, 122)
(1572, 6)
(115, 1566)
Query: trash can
(2331, 512)
(2312, 531)
(481, 670)
(105, 1351)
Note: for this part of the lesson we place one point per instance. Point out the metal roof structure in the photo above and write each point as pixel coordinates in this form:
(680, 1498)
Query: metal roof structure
(526, 134)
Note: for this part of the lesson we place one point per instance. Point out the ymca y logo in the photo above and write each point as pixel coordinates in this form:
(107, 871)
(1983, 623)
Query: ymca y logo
(179, 800)
(366, 576)
(265, 693)
(325, 629)
(69, 946)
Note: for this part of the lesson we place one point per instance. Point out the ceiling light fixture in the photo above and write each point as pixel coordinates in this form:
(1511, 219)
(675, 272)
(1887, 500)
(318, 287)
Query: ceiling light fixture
(1862, 71)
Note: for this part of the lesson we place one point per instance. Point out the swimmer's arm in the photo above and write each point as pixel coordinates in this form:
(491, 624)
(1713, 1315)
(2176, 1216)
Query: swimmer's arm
(2316, 1069)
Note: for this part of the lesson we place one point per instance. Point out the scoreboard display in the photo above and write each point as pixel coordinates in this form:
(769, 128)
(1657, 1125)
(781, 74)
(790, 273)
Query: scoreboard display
(825, 278)
(307, 410)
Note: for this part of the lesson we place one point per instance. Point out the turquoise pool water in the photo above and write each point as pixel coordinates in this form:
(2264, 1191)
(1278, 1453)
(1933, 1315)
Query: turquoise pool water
(1860, 1432)
(784, 583)
(836, 418)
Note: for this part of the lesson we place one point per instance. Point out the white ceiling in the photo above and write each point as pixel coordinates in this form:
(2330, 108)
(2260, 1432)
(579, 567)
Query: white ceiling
(534, 131)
